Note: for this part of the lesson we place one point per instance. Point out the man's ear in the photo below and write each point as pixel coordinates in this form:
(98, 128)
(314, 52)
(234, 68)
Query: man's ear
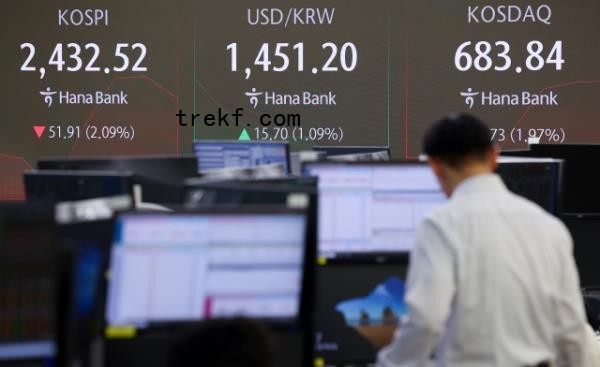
(436, 167)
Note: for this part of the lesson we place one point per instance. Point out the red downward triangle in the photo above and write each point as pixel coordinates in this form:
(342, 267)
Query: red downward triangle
(39, 130)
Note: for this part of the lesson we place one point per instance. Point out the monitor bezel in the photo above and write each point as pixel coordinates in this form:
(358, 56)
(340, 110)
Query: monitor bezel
(402, 260)
(286, 145)
(119, 163)
(160, 328)
(360, 257)
(560, 164)
(40, 216)
(126, 180)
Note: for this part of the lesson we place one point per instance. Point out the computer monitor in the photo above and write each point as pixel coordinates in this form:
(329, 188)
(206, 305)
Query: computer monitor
(537, 179)
(381, 156)
(186, 267)
(346, 150)
(579, 186)
(298, 159)
(372, 208)
(215, 154)
(199, 193)
(591, 299)
(291, 192)
(359, 307)
(28, 286)
(53, 186)
(85, 251)
(165, 169)
(274, 170)
(354, 154)
(586, 246)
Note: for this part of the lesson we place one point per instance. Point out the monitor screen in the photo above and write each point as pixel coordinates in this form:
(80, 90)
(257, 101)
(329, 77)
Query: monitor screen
(381, 156)
(586, 249)
(50, 186)
(536, 179)
(242, 192)
(358, 309)
(213, 154)
(372, 208)
(346, 150)
(166, 169)
(86, 246)
(188, 267)
(28, 285)
(579, 186)
(297, 159)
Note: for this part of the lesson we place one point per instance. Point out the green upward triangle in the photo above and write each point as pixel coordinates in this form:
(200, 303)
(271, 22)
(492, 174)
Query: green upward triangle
(244, 135)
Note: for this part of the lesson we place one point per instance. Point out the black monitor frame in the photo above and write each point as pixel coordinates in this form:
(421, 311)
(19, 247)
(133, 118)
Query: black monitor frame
(159, 328)
(34, 219)
(559, 195)
(581, 253)
(79, 333)
(576, 194)
(147, 166)
(79, 179)
(401, 261)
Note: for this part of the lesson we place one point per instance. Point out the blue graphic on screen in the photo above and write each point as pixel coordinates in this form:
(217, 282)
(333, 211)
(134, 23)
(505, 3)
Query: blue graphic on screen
(223, 154)
(382, 307)
(87, 274)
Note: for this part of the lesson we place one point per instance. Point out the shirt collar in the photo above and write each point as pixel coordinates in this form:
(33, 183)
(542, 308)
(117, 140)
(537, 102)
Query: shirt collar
(484, 183)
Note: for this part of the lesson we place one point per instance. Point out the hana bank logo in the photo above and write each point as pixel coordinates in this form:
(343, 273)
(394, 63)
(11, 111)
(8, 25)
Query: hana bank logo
(253, 95)
(48, 96)
(469, 97)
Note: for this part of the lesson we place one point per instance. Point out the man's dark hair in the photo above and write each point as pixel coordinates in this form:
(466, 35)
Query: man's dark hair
(457, 139)
(235, 342)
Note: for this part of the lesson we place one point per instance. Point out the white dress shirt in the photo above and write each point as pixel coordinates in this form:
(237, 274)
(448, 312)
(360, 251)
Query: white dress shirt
(492, 282)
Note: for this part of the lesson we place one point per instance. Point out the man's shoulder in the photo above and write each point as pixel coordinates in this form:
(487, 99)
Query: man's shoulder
(467, 208)
(441, 215)
(534, 211)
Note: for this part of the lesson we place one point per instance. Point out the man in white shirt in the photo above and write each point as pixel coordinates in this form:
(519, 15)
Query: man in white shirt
(492, 280)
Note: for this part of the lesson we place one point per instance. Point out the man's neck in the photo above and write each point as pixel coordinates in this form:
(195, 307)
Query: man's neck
(468, 173)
